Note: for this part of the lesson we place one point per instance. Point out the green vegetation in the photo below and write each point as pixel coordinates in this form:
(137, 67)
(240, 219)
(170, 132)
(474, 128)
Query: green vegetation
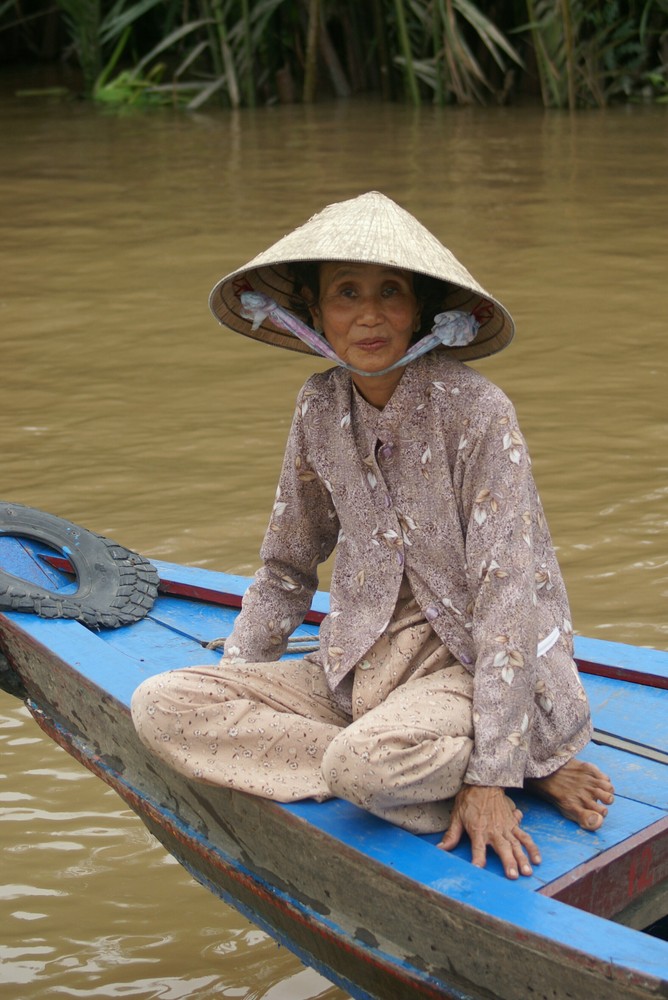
(565, 53)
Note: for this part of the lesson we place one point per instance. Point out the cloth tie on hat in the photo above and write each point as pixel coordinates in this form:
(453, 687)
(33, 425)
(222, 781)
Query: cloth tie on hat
(368, 229)
(452, 329)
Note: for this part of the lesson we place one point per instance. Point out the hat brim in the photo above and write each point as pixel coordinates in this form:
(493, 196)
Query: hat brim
(369, 229)
(495, 332)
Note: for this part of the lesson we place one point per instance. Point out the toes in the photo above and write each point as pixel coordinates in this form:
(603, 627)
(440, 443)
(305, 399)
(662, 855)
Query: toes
(593, 821)
(605, 795)
(597, 773)
(581, 792)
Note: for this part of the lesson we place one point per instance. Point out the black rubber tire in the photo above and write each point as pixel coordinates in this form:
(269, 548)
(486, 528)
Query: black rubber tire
(115, 585)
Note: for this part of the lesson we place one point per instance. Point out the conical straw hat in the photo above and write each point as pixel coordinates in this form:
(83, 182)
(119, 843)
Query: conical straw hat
(369, 229)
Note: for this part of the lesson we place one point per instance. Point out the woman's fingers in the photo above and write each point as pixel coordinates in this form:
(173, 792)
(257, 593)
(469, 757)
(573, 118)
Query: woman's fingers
(453, 834)
(491, 820)
(478, 851)
(529, 845)
(510, 849)
(516, 850)
(513, 859)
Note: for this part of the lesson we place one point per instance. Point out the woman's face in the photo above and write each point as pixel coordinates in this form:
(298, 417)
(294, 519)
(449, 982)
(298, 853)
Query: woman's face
(368, 313)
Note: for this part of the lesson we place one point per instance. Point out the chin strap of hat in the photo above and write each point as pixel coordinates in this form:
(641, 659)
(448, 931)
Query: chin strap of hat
(452, 329)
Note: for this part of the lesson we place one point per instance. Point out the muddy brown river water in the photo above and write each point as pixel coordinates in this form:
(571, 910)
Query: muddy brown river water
(125, 408)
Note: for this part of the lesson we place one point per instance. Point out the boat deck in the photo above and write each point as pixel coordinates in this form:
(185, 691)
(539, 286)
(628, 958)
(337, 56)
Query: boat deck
(621, 866)
(619, 872)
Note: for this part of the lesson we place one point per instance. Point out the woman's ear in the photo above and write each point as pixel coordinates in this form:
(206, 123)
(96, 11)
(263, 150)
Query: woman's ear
(313, 308)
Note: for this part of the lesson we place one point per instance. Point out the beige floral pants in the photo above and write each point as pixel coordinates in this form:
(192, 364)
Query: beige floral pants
(276, 730)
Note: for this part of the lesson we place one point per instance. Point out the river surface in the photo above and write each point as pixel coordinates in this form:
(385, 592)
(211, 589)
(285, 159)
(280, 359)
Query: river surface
(127, 409)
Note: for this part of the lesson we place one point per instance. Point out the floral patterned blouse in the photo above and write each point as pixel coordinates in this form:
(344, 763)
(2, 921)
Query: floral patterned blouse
(436, 487)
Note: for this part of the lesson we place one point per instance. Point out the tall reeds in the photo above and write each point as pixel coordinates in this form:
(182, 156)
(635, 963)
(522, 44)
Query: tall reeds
(406, 57)
(588, 53)
(565, 53)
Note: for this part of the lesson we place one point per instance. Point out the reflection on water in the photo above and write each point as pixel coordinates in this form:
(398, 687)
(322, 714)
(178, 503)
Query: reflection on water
(126, 409)
(92, 905)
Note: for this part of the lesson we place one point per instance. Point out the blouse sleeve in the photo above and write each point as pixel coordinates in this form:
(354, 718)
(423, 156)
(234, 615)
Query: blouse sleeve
(500, 507)
(302, 533)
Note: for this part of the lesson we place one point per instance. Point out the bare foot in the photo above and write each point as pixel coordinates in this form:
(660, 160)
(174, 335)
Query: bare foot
(579, 790)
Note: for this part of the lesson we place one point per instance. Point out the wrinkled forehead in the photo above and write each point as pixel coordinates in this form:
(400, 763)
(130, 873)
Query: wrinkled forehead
(335, 269)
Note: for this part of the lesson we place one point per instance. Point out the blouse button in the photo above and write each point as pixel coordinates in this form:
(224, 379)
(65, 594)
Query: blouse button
(431, 613)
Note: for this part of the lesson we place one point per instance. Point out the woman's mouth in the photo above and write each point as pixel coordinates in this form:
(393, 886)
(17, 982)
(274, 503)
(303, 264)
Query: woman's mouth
(371, 344)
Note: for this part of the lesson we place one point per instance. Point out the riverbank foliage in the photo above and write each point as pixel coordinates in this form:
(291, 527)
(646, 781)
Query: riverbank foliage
(564, 53)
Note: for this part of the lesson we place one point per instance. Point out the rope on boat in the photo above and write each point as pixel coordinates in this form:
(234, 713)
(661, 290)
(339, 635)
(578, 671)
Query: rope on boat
(296, 644)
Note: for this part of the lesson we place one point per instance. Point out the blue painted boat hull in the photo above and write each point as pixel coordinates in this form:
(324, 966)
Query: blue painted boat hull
(379, 911)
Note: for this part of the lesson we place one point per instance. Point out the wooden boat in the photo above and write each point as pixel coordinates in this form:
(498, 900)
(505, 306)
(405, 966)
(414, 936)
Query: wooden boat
(380, 912)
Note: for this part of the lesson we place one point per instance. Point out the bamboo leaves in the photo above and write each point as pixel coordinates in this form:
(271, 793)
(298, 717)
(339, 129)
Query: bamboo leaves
(242, 52)
(310, 69)
(458, 33)
(92, 30)
(406, 58)
(586, 52)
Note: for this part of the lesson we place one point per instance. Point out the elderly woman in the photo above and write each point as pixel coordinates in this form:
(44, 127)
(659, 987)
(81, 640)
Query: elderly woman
(445, 674)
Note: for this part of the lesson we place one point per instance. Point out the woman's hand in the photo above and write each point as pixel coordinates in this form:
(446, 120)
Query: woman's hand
(489, 817)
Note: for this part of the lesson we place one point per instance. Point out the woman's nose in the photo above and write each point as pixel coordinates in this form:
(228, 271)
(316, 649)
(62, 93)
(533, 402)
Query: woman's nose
(370, 310)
